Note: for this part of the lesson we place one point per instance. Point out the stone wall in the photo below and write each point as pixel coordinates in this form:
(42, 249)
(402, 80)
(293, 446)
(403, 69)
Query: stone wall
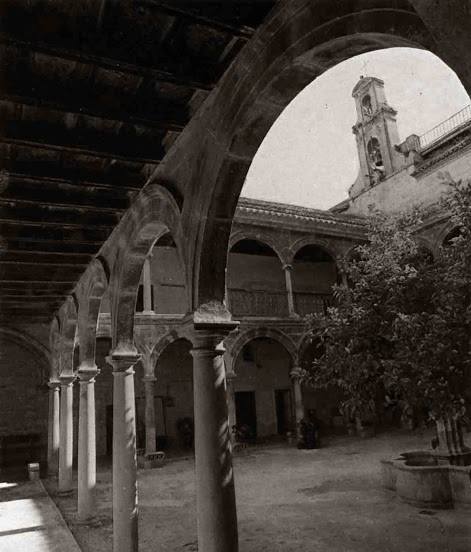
(408, 187)
(23, 393)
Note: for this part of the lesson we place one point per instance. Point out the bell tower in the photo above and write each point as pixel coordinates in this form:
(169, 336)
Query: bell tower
(376, 135)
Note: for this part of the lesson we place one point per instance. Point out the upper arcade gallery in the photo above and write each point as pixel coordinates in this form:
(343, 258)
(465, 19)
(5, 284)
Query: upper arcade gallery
(123, 122)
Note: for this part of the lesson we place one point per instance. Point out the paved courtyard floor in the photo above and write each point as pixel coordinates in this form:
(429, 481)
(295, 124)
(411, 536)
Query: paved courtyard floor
(30, 521)
(289, 500)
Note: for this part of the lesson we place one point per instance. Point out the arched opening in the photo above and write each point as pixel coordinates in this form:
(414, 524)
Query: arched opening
(104, 398)
(263, 397)
(23, 401)
(162, 288)
(449, 239)
(173, 399)
(375, 158)
(256, 283)
(314, 274)
(367, 106)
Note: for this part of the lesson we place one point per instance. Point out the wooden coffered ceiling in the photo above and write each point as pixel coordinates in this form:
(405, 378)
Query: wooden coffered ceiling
(92, 94)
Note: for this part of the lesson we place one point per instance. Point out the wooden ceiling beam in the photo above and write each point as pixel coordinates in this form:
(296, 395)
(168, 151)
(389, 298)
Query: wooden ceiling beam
(106, 63)
(190, 16)
(77, 150)
(81, 209)
(75, 110)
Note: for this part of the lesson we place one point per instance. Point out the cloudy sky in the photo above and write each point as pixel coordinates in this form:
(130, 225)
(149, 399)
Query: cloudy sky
(309, 155)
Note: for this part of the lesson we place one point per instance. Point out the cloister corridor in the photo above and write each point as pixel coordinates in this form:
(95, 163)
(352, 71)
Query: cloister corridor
(288, 500)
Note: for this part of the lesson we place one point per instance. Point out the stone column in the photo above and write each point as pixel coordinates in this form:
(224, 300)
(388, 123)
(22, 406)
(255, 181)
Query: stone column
(149, 390)
(87, 444)
(125, 537)
(147, 286)
(216, 505)
(231, 409)
(287, 268)
(53, 428)
(66, 433)
(298, 399)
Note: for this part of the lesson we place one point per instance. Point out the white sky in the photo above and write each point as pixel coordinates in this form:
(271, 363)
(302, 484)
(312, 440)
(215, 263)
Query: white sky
(309, 155)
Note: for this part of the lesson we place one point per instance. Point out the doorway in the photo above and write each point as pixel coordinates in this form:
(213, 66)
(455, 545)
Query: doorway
(246, 411)
(283, 411)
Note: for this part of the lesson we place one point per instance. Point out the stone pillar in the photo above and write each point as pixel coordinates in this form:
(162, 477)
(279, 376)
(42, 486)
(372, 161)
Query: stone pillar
(287, 268)
(66, 433)
(53, 428)
(149, 389)
(216, 505)
(87, 444)
(298, 399)
(125, 537)
(147, 286)
(231, 409)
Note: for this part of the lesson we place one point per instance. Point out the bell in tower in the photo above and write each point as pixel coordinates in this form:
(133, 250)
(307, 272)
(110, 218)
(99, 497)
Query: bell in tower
(376, 135)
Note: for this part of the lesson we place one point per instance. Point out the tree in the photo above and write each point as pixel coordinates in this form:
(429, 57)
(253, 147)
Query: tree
(403, 323)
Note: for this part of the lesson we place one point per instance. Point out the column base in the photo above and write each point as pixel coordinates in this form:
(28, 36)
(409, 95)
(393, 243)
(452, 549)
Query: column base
(65, 493)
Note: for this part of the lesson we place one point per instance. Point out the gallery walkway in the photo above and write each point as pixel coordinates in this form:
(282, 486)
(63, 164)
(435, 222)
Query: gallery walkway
(30, 521)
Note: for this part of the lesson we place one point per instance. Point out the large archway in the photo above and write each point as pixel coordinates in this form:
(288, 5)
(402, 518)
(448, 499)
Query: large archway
(262, 386)
(302, 41)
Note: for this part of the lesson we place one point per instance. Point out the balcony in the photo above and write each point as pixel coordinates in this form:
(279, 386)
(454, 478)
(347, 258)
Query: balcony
(306, 302)
(258, 303)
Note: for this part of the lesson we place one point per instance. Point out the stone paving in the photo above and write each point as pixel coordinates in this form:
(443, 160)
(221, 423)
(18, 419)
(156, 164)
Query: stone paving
(30, 521)
(289, 500)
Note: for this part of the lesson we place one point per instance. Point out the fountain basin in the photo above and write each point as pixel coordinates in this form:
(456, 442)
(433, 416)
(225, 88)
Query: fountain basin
(419, 478)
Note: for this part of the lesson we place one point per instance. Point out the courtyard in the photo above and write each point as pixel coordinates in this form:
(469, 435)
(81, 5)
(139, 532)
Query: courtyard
(327, 499)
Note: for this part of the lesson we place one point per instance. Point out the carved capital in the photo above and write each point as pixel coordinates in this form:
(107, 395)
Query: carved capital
(67, 379)
(122, 361)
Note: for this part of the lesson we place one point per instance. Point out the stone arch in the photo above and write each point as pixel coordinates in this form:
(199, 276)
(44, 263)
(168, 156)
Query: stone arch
(164, 342)
(449, 228)
(296, 44)
(235, 348)
(35, 348)
(154, 214)
(68, 327)
(90, 291)
(316, 242)
(263, 238)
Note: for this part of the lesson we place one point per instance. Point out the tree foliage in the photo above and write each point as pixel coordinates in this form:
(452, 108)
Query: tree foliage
(402, 325)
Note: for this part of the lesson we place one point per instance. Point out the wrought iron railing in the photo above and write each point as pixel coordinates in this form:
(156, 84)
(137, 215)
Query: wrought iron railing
(462, 118)
(306, 302)
(258, 303)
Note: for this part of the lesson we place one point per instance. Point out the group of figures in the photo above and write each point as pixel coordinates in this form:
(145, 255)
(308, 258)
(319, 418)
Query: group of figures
(309, 428)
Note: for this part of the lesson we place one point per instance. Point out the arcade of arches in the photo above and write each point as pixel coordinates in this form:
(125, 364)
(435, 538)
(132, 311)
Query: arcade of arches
(160, 297)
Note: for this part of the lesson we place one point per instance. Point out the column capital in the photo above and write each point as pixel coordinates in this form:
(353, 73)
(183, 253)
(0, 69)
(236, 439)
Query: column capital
(149, 378)
(67, 379)
(87, 373)
(296, 372)
(211, 323)
(54, 384)
(287, 266)
(122, 361)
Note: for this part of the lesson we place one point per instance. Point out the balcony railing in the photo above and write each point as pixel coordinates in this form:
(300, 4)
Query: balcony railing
(258, 303)
(462, 118)
(306, 302)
